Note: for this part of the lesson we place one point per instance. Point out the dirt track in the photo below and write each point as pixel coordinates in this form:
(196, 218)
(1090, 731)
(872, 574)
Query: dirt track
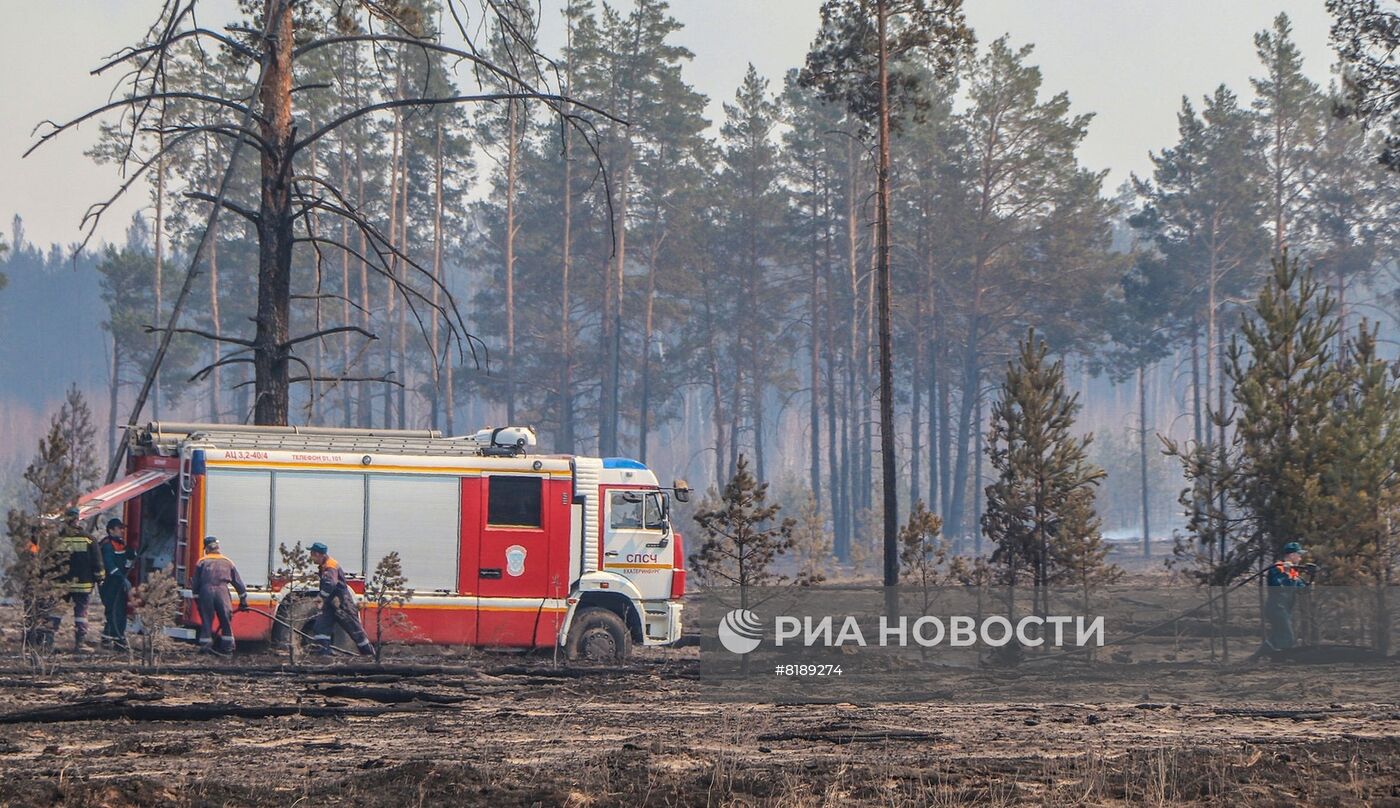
(503, 730)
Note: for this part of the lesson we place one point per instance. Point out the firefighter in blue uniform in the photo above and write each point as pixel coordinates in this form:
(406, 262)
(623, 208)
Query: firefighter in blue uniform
(1284, 580)
(337, 605)
(116, 565)
(212, 578)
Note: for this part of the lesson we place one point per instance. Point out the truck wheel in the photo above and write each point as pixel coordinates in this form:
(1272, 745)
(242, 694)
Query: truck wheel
(301, 613)
(598, 635)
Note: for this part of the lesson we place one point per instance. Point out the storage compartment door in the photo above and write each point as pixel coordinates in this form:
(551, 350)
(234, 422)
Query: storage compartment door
(238, 510)
(327, 507)
(417, 516)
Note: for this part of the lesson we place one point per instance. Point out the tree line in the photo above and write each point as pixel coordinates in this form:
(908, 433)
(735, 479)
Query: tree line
(653, 283)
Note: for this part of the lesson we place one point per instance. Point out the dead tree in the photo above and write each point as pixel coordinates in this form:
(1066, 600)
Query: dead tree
(293, 192)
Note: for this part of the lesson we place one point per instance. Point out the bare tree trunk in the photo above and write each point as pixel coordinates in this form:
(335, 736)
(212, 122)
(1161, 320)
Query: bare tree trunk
(756, 410)
(935, 503)
(437, 276)
(112, 391)
(735, 407)
(840, 543)
(512, 171)
(216, 321)
(644, 419)
(1220, 456)
(270, 364)
(869, 392)
(1198, 425)
(814, 422)
(160, 259)
(977, 477)
(966, 410)
(945, 441)
(850, 450)
(612, 317)
(565, 442)
(916, 391)
(1142, 453)
(833, 465)
(1196, 414)
(318, 364)
(848, 466)
(390, 298)
(716, 394)
(401, 341)
(347, 414)
(365, 392)
(891, 484)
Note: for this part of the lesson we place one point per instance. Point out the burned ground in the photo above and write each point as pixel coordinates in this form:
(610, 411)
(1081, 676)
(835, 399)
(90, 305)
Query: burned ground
(433, 728)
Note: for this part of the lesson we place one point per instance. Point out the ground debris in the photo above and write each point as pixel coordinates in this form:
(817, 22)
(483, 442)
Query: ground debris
(1271, 712)
(842, 736)
(389, 695)
(131, 710)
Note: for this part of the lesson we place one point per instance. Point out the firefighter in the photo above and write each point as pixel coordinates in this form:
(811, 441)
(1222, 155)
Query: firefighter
(337, 605)
(116, 585)
(212, 577)
(83, 574)
(1285, 578)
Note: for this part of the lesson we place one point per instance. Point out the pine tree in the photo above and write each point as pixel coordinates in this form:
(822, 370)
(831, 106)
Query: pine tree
(1031, 213)
(742, 537)
(840, 63)
(926, 562)
(1203, 218)
(386, 591)
(814, 153)
(1289, 110)
(1079, 554)
(923, 556)
(1360, 495)
(63, 468)
(1039, 509)
(751, 232)
(1366, 34)
(157, 601)
(811, 543)
(1251, 495)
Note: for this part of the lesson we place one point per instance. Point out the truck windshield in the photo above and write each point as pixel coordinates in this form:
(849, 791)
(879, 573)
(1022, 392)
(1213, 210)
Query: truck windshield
(637, 510)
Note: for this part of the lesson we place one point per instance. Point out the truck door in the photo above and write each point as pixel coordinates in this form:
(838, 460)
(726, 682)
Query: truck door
(513, 568)
(637, 540)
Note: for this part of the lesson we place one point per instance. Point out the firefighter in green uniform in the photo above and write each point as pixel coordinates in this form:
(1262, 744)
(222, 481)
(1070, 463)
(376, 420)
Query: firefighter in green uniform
(83, 574)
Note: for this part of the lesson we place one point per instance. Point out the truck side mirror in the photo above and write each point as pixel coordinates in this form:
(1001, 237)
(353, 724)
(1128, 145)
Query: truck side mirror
(682, 489)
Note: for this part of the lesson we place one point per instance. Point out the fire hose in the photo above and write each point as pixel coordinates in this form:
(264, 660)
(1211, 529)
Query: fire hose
(274, 618)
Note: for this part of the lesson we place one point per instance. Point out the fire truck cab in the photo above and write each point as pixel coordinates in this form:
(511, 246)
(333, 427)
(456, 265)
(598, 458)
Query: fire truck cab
(499, 547)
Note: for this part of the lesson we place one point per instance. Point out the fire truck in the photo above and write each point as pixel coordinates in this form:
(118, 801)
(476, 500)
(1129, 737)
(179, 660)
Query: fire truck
(499, 546)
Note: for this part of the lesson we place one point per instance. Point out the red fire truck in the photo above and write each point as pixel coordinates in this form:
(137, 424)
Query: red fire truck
(500, 547)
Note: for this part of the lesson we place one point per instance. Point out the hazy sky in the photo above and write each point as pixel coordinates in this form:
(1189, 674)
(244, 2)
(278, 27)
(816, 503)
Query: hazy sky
(1128, 61)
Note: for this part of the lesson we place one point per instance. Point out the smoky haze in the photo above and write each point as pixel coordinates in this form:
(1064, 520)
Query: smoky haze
(1127, 61)
(1126, 65)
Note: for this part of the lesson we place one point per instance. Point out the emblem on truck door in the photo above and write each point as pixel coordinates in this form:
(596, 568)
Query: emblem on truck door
(515, 560)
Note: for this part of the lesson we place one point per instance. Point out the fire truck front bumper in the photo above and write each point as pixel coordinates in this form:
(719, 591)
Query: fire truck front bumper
(663, 623)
